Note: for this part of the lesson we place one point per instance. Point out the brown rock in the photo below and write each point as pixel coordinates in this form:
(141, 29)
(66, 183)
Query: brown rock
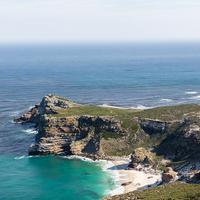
(141, 156)
(169, 175)
(127, 183)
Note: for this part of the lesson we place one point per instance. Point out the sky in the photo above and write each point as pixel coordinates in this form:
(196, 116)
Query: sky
(77, 21)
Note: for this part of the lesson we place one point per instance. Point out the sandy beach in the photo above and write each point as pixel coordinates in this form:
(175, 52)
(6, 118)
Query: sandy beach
(133, 179)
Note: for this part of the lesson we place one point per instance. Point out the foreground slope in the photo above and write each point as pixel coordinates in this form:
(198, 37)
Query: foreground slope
(173, 191)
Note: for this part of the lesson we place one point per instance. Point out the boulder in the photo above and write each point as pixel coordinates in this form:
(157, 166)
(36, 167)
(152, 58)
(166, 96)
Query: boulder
(169, 175)
(141, 156)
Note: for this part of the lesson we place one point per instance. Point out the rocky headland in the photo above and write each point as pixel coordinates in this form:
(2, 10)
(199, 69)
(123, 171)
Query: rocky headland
(165, 139)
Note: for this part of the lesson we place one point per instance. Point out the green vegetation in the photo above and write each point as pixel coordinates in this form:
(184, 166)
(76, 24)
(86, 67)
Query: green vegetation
(161, 113)
(125, 115)
(107, 135)
(174, 191)
(95, 111)
(169, 113)
(124, 144)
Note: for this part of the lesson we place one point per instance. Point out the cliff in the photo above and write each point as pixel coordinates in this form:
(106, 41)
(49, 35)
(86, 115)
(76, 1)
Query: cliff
(151, 136)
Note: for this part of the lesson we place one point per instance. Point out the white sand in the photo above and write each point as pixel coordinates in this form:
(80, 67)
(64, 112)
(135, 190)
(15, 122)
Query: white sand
(142, 178)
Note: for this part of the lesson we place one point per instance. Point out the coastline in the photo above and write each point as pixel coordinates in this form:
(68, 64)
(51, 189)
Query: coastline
(128, 180)
(98, 135)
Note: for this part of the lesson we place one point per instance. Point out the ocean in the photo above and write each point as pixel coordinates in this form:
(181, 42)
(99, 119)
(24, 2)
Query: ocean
(124, 75)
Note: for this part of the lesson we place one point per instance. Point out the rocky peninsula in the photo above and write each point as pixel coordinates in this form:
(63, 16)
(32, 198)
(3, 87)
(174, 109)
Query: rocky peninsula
(165, 139)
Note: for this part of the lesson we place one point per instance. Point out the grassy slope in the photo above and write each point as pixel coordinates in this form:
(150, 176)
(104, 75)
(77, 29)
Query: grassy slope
(116, 145)
(127, 115)
(174, 191)
(161, 113)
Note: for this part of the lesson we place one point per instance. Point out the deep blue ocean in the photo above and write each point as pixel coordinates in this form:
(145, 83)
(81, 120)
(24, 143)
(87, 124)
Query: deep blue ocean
(127, 75)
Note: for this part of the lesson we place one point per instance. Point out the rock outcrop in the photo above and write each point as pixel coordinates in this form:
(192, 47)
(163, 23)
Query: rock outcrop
(141, 156)
(154, 126)
(71, 135)
(169, 175)
(67, 128)
(184, 142)
(32, 116)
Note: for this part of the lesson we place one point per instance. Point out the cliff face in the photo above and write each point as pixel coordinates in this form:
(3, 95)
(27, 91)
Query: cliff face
(184, 142)
(67, 128)
(77, 135)
(70, 135)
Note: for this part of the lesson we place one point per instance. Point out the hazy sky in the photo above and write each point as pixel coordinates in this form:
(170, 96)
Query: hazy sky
(99, 20)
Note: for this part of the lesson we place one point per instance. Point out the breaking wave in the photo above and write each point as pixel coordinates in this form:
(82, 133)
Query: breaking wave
(166, 100)
(30, 131)
(139, 107)
(191, 92)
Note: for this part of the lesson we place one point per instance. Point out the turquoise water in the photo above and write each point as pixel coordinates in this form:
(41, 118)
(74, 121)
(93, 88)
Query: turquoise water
(46, 178)
(130, 75)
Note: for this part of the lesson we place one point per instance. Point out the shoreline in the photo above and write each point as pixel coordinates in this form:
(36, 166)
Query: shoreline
(126, 180)
(129, 180)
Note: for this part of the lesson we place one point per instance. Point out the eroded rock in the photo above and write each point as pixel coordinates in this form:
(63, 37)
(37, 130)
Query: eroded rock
(77, 135)
(141, 156)
(169, 175)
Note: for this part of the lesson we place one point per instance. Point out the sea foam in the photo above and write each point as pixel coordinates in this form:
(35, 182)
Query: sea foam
(110, 106)
(191, 92)
(30, 131)
(20, 157)
(138, 107)
(105, 166)
(195, 97)
(166, 100)
(141, 107)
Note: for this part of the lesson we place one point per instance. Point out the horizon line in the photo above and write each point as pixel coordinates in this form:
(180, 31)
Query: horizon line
(99, 42)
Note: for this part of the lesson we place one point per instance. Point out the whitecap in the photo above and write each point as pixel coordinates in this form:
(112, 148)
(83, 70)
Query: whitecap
(110, 106)
(166, 100)
(25, 156)
(195, 97)
(141, 107)
(20, 157)
(79, 158)
(30, 131)
(138, 107)
(191, 92)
